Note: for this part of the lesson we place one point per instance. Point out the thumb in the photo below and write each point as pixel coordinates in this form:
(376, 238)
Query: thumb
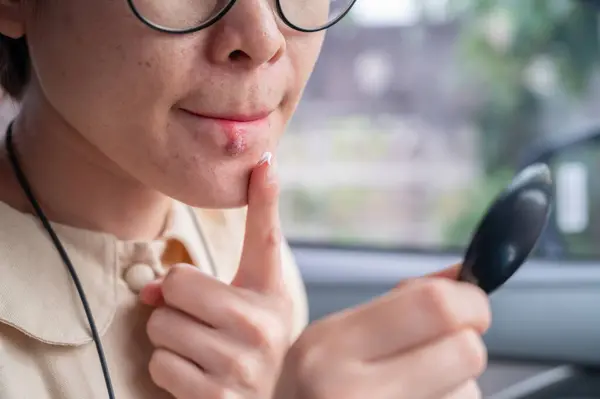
(260, 264)
(151, 294)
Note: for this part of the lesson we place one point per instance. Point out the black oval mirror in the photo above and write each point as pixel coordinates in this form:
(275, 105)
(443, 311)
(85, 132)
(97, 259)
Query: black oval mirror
(509, 231)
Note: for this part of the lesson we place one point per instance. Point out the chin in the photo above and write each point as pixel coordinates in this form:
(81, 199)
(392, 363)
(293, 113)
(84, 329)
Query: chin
(223, 194)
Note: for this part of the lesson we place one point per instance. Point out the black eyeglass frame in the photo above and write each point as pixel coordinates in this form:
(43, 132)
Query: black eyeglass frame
(224, 11)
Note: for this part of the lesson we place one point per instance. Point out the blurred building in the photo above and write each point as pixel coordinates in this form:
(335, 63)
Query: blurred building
(396, 70)
(387, 115)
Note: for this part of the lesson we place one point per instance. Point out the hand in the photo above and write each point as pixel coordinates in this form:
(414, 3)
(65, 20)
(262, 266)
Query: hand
(420, 341)
(215, 340)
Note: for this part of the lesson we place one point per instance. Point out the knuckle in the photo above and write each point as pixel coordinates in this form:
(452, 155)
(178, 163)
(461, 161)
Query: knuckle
(271, 193)
(436, 298)
(240, 315)
(244, 368)
(264, 330)
(471, 351)
(274, 336)
(308, 357)
(320, 374)
(267, 340)
(273, 237)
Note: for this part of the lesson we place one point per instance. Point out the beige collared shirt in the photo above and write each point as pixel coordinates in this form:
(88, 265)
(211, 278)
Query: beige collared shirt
(46, 350)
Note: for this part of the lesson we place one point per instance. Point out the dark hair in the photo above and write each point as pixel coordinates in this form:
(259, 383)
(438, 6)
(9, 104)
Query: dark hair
(14, 66)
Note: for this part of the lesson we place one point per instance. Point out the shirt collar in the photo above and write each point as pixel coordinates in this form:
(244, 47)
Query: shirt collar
(36, 283)
(37, 295)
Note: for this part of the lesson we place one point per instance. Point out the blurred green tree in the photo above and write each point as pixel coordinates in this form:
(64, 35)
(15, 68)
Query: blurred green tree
(504, 42)
(507, 45)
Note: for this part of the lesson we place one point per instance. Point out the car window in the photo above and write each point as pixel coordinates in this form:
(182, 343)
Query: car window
(420, 112)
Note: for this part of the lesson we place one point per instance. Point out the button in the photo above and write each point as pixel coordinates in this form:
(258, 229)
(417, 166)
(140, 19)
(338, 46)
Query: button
(138, 275)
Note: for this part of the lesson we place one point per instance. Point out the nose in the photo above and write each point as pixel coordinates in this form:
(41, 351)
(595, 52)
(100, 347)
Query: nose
(248, 35)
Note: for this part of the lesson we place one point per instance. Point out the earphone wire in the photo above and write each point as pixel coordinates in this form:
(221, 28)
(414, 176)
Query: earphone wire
(63, 254)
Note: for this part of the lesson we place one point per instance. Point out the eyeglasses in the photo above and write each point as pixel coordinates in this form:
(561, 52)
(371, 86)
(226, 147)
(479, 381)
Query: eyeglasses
(188, 16)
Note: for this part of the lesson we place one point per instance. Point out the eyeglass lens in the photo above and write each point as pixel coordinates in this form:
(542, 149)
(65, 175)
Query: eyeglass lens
(189, 14)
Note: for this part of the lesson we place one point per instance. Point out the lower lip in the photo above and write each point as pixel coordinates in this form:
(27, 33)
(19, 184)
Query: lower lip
(236, 132)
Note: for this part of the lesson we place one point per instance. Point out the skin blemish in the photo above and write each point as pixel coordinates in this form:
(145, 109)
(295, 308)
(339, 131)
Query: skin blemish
(236, 143)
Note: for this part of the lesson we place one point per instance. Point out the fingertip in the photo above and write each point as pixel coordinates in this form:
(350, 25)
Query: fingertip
(151, 294)
(451, 272)
(264, 185)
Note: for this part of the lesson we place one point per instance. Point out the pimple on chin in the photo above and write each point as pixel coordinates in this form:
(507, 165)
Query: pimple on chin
(235, 146)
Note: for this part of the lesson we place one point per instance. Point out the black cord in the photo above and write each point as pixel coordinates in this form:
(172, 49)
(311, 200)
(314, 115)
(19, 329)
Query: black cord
(63, 254)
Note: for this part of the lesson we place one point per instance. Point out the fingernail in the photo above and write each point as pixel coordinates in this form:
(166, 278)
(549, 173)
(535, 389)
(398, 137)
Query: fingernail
(266, 158)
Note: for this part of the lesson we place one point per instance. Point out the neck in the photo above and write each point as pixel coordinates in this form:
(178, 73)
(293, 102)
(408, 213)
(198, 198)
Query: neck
(76, 184)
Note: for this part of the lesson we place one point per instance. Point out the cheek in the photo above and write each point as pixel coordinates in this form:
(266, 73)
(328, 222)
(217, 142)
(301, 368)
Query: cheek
(116, 88)
(303, 52)
(102, 71)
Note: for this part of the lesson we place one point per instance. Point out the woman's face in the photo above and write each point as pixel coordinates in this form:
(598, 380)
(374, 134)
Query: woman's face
(188, 115)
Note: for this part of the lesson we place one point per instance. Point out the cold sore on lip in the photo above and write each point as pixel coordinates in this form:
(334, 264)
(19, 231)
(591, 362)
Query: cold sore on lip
(236, 146)
(237, 133)
(236, 142)
(235, 129)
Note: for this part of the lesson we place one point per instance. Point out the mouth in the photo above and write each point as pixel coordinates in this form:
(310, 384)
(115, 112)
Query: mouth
(240, 130)
(232, 118)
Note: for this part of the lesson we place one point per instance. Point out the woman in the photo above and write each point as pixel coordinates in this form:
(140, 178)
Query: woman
(131, 265)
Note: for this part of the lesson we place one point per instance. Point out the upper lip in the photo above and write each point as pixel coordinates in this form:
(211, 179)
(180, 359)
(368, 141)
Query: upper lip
(233, 117)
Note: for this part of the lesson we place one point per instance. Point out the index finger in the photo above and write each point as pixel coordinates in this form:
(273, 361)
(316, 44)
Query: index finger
(450, 273)
(260, 264)
(419, 313)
